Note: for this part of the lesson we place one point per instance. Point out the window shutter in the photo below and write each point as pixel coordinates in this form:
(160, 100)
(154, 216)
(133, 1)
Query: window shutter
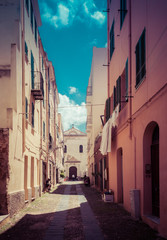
(126, 79)
(140, 59)
(112, 42)
(32, 71)
(26, 106)
(32, 15)
(108, 108)
(114, 97)
(143, 69)
(118, 91)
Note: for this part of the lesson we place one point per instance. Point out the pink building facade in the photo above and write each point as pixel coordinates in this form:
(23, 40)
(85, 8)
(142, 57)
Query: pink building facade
(137, 95)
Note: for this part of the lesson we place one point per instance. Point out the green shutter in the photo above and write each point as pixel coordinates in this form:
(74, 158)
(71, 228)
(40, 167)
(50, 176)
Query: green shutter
(32, 71)
(32, 16)
(35, 31)
(108, 108)
(26, 49)
(26, 107)
(140, 59)
(114, 97)
(126, 79)
(112, 42)
(123, 12)
(27, 6)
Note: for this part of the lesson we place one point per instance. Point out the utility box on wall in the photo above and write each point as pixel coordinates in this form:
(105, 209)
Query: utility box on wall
(135, 203)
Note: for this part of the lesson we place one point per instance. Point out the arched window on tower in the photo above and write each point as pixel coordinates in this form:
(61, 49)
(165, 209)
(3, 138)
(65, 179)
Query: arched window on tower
(81, 148)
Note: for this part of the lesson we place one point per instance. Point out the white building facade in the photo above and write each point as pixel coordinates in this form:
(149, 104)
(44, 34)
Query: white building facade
(75, 153)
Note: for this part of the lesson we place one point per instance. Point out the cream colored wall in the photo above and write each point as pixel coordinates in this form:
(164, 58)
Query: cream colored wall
(98, 82)
(73, 143)
(99, 87)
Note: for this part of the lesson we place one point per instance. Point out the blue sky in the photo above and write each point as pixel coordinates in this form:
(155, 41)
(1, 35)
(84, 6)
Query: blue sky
(70, 29)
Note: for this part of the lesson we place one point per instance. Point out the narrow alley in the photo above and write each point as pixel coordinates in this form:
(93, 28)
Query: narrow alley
(74, 211)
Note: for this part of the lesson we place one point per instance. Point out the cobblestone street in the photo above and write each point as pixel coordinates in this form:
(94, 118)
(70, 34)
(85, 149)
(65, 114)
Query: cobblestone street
(73, 211)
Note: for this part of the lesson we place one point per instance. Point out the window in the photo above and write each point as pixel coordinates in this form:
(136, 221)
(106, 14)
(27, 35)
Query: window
(81, 148)
(112, 44)
(32, 71)
(32, 115)
(27, 6)
(65, 148)
(43, 130)
(140, 59)
(26, 107)
(123, 12)
(32, 16)
(35, 31)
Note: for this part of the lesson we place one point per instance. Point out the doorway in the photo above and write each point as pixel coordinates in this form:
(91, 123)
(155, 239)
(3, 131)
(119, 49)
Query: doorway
(72, 171)
(151, 170)
(155, 171)
(119, 175)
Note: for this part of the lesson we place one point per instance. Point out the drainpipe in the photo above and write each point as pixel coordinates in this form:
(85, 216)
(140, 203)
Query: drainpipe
(40, 152)
(130, 72)
(23, 75)
(108, 68)
(108, 50)
(130, 90)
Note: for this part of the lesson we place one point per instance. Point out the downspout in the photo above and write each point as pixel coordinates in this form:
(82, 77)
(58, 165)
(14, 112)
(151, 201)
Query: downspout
(23, 75)
(108, 49)
(108, 68)
(40, 152)
(130, 72)
(130, 89)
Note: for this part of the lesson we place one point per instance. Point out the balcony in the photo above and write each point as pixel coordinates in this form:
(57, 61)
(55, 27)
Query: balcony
(37, 86)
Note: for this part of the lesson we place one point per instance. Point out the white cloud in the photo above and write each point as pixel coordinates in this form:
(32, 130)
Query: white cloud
(105, 45)
(63, 15)
(72, 90)
(71, 112)
(99, 17)
(94, 42)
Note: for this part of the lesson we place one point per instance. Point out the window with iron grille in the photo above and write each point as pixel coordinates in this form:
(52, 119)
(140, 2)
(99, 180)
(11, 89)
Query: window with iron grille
(140, 59)
(112, 41)
(123, 12)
